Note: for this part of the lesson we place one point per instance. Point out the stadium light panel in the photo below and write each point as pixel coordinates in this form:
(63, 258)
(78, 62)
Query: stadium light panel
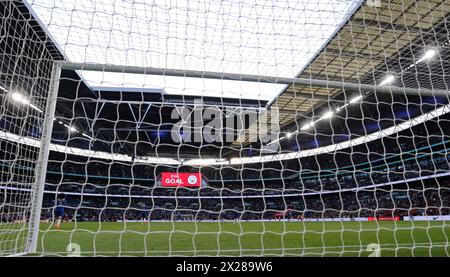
(111, 38)
(205, 162)
(327, 115)
(277, 140)
(71, 128)
(17, 97)
(389, 79)
(36, 108)
(307, 126)
(429, 54)
(84, 135)
(355, 99)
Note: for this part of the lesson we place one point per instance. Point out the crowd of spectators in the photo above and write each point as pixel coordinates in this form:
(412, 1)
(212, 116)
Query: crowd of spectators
(431, 197)
(383, 177)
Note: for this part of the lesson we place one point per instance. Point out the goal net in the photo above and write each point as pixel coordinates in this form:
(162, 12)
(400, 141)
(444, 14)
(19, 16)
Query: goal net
(224, 128)
(25, 70)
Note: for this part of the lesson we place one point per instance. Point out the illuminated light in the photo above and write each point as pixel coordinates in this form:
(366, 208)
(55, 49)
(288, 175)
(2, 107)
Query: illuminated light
(327, 115)
(37, 109)
(428, 55)
(338, 109)
(19, 98)
(16, 97)
(206, 162)
(72, 129)
(307, 126)
(239, 160)
(389, 79)
(84, 135)
(273, 141)
(356, 99)
(288, 135)
(270, 143)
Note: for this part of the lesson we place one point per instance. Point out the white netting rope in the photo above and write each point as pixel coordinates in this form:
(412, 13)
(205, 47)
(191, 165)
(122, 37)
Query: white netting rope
(226, 128)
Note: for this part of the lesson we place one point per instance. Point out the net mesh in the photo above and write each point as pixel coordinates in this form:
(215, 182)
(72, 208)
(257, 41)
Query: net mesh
(248, 128)
(25, 66)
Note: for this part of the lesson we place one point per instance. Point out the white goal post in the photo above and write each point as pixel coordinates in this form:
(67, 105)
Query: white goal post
(41, 167)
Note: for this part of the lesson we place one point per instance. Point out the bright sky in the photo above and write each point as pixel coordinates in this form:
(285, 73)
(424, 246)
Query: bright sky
(275, 38)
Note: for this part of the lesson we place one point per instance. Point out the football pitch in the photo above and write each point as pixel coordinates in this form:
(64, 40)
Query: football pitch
(404, 238)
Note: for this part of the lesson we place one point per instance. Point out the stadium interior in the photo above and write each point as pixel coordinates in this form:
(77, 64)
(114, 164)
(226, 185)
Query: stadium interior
(356, 153)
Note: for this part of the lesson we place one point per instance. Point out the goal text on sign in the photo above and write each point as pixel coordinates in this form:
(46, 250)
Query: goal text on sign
(170, 179)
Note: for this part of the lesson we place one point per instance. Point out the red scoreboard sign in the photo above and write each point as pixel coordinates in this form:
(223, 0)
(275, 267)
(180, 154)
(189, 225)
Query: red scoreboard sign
(171, 179)
(383, 218)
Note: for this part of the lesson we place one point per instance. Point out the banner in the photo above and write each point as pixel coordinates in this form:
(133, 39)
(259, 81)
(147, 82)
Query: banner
(172, 179)
(335, 219)
(383, 218)
(426, 218)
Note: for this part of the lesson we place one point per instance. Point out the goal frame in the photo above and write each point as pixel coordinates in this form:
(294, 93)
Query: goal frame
(41, 165)
(346, 86)
(52, 96)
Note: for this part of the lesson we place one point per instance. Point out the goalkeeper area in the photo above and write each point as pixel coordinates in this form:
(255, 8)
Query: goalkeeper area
(225, 128)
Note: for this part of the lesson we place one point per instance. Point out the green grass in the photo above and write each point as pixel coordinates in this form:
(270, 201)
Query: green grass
(248, 238)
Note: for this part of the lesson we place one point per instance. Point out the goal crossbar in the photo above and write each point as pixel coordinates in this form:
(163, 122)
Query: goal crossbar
(252, 78)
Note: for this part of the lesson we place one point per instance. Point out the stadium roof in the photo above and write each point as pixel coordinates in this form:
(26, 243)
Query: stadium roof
(374, 42)
(377, 41)
(250, 37)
